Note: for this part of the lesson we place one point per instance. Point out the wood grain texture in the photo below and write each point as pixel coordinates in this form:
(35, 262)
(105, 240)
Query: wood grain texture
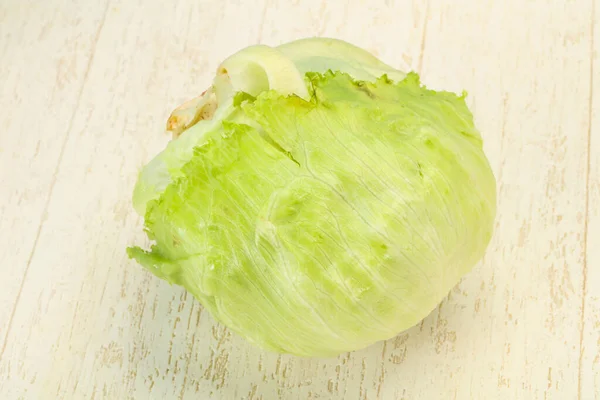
(85, 93)
(45, 55)
(589, 379)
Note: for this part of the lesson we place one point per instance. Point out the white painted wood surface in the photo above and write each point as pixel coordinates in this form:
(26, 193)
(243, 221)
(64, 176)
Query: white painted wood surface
(85, 89)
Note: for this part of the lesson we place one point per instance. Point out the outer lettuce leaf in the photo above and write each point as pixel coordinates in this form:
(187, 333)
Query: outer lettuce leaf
(323, 54)
(252, 71)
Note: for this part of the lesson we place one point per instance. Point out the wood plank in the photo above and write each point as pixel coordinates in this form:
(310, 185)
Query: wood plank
(589, 367)
(45, 55)
(516, 319)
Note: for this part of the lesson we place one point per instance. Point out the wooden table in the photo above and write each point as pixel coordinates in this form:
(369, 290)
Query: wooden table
(86, 88)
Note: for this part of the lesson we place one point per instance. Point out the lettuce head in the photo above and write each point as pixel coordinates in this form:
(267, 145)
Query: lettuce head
(316, 200)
